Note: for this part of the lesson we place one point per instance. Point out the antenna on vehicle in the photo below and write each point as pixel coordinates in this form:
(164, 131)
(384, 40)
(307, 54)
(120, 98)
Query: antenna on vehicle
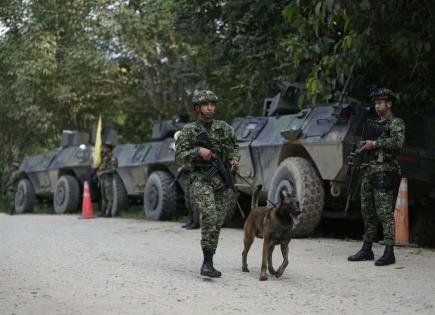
(343, 91)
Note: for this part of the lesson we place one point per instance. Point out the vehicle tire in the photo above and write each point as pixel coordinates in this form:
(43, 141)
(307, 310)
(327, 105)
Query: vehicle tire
(66, 194)
(299, 177)
(120, 198)
(24, 197)
(160, 199)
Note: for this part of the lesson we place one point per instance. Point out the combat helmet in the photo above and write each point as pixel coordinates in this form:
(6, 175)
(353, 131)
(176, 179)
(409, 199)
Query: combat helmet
(108, 144)
(382, 94)
(204, 96)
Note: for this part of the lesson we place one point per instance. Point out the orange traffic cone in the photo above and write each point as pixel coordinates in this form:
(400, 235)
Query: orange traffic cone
(401, 214)
(87, 211)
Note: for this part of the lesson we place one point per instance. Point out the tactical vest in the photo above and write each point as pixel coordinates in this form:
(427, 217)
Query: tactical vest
(217, 140)
(376, 130)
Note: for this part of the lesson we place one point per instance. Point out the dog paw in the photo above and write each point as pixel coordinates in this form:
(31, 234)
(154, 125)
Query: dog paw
(272, 271)
(263, 278)
(278, 274)
(245, 269)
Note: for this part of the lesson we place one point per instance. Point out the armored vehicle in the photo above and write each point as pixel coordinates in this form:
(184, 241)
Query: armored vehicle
(57, 174)
(147, 171)
(305, 152)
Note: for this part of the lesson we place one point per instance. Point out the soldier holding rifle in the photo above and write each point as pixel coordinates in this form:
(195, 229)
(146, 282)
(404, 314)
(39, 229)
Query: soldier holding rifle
(378, 170)
(11, 187)
(210, 147)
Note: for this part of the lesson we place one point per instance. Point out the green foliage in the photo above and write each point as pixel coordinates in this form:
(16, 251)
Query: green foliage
(65, 62)
(238, 49)
(140, 37)
(53, 76)
(390, 43)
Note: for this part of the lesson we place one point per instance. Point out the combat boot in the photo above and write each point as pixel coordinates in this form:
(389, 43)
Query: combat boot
(387, 258)
(108, 213)
(184, 226)
(193, 226)
(207, 268)
(365, 253)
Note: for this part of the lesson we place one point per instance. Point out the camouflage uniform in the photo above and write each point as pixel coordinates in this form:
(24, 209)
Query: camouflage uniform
(208, 198)
(107, 169)
(11, 189)
(377, 181)
(184, 170)
(193, 212)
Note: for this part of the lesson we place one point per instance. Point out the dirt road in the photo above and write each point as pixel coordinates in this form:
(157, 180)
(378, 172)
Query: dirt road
(65, 265)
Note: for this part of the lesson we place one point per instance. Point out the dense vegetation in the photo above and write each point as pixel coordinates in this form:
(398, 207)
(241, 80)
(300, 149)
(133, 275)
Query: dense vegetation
(63, 63)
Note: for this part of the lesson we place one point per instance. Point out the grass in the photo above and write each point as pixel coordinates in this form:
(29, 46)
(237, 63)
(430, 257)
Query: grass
(133, 212)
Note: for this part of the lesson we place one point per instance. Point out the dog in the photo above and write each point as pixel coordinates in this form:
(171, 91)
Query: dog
(273, 224)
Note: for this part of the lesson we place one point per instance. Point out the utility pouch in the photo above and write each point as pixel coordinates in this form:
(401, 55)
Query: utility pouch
(219, 132)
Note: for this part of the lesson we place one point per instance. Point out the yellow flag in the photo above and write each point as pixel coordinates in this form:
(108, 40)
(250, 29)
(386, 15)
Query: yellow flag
(97, 148)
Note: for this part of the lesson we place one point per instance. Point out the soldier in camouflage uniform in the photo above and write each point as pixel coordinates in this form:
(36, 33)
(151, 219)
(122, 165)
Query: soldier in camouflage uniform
(105, 173)
(193, 212)
(11, 187)
(377, 179)
(211, 199)
(182, 175)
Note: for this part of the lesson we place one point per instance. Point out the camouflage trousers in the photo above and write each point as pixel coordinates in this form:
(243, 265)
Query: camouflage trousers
(10, 197)
(377, 206)
(212, 207)
(193, 212)
(106, 194)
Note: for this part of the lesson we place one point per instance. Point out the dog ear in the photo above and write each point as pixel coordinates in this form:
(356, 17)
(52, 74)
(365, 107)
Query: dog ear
(283, 194)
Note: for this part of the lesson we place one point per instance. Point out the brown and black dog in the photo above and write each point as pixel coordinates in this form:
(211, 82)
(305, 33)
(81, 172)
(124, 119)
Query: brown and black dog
(274, 225)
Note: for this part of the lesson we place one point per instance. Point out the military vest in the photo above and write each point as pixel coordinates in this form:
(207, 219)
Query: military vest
(108, 167)
(218, 140)
(382, 159)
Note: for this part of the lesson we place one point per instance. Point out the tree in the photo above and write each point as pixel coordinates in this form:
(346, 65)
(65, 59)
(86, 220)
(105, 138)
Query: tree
(239, 51)
(54, 74)
(390, 42)
(65, 62)
(140, 36)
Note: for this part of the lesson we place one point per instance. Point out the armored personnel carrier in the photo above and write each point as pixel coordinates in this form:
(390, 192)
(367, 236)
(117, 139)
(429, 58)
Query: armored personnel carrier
(56, 175)
(146, 172)
(305, 152)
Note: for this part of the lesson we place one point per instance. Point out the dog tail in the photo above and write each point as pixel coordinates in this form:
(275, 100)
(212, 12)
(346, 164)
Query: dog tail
(255, 197)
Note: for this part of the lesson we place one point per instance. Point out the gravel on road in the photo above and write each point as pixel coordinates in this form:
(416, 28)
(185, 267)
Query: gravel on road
(65, 265)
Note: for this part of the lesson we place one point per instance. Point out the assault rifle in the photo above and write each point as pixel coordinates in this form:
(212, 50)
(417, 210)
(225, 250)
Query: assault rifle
(354, 162)
(372, 130)
(180, 172)
(93, 178)
(218, 166)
